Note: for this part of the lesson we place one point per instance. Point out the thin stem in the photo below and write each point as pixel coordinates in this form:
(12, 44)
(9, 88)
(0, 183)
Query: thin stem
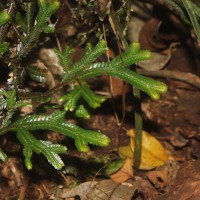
(136, 93)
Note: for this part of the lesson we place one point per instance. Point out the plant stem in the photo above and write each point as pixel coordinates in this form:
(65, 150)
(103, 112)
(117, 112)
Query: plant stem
(136, 93)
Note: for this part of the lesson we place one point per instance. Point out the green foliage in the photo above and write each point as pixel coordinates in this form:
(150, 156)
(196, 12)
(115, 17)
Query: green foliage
(4, 17)
(65, 57)
(3, 156)
(70, 100)
(83, 69)
(37, 74)
(194, 15)
(31, 20)
(4, 47)
(82, 112)
(49, 150)
(192, 8)
(33, 29)
(9, 102)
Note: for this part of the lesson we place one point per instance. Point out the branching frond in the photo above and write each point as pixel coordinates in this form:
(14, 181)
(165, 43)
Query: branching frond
(55, 122)
(49, 150)
(84, 69)
(32, 30)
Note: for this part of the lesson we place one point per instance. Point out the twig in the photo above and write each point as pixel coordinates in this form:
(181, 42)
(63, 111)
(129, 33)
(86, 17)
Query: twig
(181, 76)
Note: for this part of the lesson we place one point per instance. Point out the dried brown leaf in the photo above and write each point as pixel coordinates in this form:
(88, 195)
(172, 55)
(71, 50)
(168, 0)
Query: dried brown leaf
(125, 173)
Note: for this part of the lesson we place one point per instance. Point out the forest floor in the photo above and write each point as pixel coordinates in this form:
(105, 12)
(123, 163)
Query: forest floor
(173, 120)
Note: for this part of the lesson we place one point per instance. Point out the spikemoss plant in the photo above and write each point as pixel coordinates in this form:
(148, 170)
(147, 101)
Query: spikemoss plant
(31, 24)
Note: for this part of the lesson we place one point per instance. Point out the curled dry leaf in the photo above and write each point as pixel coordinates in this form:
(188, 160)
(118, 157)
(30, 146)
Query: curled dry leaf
(153, 153)
(124, 173)
(109, 190)
(105, 189)
(163, 175)
(158, 60)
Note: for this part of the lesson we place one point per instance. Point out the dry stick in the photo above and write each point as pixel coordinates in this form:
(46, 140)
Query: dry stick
(181, 76)
(136, 93)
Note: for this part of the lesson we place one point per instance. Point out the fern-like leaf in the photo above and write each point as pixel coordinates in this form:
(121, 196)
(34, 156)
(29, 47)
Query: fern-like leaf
(70, 100)
(65, 57)
(32, 32)
(49, 150)
(3, 156)
(82, 112)
(37, 74)
(51, 122)
(86, 61)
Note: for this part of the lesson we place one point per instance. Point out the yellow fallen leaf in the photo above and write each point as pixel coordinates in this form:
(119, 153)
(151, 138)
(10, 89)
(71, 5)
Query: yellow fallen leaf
(153, 153)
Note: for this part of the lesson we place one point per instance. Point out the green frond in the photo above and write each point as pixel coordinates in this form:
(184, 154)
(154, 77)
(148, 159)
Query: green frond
(34, 29)
(65, 57)
(70, 100)
(151, 87)
(4, 17)
(10, 98)
(116, 67)
(90, 97)
(86, 61)
(49, 150)
(7, 119)
(191, 8)
(3, 103)
(21, 22)
(179, 9)
(4, 47)
(45, 11)
(41, 122)
(37, 74)
(29, 8)
(50, 28)
(132, 56)
(81, 145)
(3, 156)
(82, 112)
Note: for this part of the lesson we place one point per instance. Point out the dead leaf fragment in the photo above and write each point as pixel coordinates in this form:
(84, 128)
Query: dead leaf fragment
(105, 189)
(109, 190)
(153, 153)
(163, 175)
(124, 173)
(187, 183)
